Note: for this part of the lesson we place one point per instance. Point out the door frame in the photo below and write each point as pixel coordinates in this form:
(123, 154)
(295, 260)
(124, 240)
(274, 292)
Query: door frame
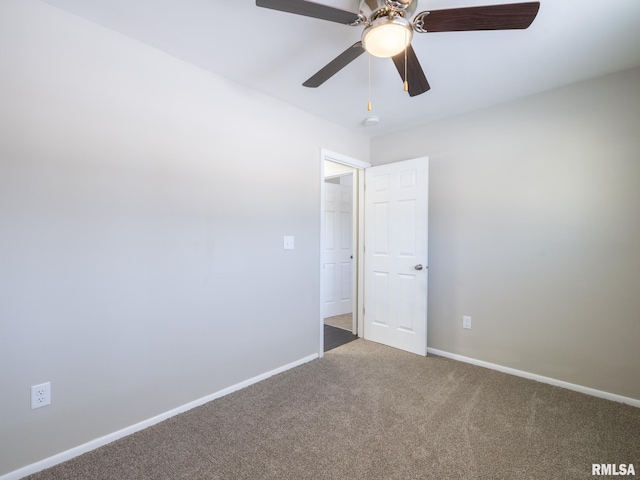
(358, 238)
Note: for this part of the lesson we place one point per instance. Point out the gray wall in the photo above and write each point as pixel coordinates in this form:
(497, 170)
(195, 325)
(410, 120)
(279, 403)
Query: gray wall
(143, 203)
(534, 231)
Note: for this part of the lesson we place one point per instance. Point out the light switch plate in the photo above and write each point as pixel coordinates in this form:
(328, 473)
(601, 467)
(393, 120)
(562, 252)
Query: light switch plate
(289, 242)
(466, 322)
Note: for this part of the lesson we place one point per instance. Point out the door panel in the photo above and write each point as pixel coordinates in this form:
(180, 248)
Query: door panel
(337, 262)
(396, 220)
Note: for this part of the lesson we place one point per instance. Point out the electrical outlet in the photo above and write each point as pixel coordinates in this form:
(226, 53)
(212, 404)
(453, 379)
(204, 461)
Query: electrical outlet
(289, 242)
(40, 395)
(466, 322)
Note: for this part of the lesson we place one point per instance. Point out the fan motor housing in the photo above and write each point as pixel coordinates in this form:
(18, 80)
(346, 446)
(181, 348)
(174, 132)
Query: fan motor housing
(373, 9)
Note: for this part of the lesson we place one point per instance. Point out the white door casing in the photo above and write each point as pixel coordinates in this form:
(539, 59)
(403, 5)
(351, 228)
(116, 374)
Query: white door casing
(337, 265)
(396, 258)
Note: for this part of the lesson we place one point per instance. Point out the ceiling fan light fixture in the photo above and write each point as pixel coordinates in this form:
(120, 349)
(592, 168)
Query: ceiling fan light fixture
(387, 36)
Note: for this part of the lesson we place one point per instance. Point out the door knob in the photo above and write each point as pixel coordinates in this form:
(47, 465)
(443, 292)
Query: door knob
(418, 266)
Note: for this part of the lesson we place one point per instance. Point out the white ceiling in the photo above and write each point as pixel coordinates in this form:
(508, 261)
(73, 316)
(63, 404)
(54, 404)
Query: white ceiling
(274, 52)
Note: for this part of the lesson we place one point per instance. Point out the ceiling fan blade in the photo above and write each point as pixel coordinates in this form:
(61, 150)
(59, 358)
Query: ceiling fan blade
(310, 9)
(415, 75)
(488, 17)
(335, 65)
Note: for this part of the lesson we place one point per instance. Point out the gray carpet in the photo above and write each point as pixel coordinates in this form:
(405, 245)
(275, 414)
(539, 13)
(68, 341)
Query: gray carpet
(366, 411)
(341, 321)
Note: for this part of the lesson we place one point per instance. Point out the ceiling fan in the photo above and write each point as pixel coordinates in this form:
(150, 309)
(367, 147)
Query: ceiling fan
(388, 30)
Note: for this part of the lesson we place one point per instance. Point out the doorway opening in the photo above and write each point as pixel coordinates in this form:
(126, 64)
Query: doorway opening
(338, 256)
(394, 272)
(340, 249)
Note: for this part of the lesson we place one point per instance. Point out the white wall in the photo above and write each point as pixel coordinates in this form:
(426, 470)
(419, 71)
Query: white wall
(534, 231)
(143, 203)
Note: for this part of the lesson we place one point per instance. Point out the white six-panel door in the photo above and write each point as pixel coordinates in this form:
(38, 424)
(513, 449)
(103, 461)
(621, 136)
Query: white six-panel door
(395, 276)
(337, 262)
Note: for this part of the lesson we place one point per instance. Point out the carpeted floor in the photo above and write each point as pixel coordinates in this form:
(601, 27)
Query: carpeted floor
(341, 321)
(367, 411)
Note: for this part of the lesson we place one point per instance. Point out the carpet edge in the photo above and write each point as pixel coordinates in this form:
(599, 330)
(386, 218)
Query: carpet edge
(538, 378)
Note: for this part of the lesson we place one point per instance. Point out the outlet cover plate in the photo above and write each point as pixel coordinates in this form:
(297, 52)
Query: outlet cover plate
(40, 395)
(466, 322)
(289, 242)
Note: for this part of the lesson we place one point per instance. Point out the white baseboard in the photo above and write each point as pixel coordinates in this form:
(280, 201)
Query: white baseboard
(99, 442)
(538, 378)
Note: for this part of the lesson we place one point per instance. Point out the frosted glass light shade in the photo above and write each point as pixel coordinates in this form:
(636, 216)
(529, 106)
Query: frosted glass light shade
(387, 36)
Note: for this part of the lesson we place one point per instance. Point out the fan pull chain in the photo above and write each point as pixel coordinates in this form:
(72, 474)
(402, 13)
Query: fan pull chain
(406, 83)
(369, 102)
